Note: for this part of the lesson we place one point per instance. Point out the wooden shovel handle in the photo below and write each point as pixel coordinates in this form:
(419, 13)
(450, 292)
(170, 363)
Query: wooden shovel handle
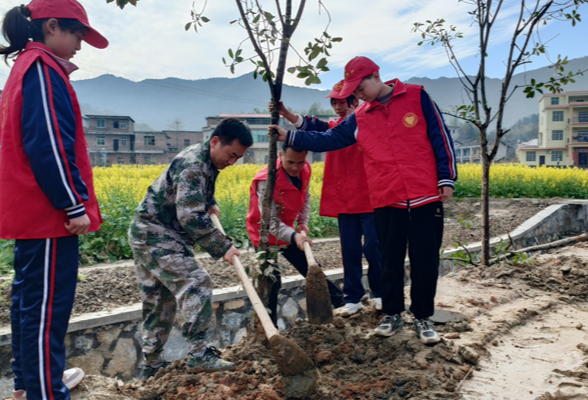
(266, 322)
(308, 253)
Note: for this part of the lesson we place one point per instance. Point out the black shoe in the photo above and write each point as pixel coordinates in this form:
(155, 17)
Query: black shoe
(149, 371)
(389, 325)
(426, 331)
(210, 361)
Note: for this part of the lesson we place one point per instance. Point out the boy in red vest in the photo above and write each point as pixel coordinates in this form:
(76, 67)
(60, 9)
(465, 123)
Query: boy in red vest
(345, 197)
(291, 203)
(47, 190)
(410, 168)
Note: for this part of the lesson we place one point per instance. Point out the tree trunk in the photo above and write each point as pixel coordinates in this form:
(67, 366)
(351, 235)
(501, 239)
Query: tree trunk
(485, 209)
(265, 283)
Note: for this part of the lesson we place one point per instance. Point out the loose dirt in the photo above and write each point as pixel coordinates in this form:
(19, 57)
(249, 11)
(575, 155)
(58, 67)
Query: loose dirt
(109, 286)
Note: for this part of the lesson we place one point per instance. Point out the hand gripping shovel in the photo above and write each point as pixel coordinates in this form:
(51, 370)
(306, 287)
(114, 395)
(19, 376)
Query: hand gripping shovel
(291, 359)
(318, 300)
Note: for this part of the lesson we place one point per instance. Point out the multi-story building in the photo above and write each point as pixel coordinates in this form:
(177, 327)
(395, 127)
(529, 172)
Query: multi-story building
(113, 140)
(468, 151)
(563, 132)
(258, 123)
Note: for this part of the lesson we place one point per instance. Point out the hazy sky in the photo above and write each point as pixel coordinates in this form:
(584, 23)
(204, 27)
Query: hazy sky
(149, 41)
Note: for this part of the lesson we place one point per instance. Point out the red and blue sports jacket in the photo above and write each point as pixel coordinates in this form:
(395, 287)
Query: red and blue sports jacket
(407, 149)
(45, 171)
(345, 189)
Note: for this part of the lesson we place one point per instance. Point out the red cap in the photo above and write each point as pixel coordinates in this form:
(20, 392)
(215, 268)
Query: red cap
(41, 9)
(355, 70)
(336, 92)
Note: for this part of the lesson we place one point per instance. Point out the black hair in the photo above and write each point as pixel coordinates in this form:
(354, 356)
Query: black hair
(230, 129)
(349, 99)
(286, 146)
(18, 30)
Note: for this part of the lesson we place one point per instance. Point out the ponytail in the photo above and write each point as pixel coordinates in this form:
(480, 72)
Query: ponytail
(17, 30)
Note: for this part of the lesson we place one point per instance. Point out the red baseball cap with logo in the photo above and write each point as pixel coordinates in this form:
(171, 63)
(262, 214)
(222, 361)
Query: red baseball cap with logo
(336, 92)
(41, 9)
(355, 70)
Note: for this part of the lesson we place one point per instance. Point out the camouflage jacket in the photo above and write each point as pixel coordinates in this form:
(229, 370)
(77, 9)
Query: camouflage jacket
(178, 202)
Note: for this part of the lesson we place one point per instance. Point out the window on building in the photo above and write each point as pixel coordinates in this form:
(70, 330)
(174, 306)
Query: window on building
(149, 140)
(556, 155)
(100, 140)
(115, 124)
(557, 135)
(123, 125)
(123, 141)
(259, 136)
(583, 116)
(100, 123)
(531, 156)
(186, 142)
(557, 116)
(149, 159)
(466, 152)
(120, 160)
(555, 101)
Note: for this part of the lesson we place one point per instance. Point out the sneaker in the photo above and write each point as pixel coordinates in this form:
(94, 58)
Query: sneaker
(71, 379)
(348, 309)
(389, 325)
(426, 331)
(19, 395)
(377, 303)
(148, 371)
(210, 361)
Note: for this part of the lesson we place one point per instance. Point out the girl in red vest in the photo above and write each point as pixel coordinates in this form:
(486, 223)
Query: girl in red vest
(291, 203)
(345, 197)
(46, 190)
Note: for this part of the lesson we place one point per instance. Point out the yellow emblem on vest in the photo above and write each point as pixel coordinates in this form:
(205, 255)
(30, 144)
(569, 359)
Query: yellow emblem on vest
(410, 120)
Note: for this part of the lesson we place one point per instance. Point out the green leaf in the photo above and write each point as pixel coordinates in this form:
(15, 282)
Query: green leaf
(188, 25)
(224, 61)
(291, 70)
(322, 63)
(231, 53)
(256, 19)
(204, 19)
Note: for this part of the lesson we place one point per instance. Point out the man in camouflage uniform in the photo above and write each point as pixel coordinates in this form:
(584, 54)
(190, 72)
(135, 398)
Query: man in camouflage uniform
(172, 218)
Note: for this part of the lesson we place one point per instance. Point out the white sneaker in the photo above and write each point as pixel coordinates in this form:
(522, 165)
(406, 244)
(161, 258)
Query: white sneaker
(377, 303)
(71, 378)
(348, 309)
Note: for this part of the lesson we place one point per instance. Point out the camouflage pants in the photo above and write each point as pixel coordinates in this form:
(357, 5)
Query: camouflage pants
(169, 278)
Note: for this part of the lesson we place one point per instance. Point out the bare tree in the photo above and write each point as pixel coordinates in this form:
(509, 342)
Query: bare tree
(176, 124)
(525, 43)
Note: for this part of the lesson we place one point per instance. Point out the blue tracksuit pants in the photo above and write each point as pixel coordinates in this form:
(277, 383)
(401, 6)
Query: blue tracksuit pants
(351, 229)
(42, 299)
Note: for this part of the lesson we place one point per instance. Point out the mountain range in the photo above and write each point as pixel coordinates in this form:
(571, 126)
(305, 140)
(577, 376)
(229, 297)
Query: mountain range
(158, 102)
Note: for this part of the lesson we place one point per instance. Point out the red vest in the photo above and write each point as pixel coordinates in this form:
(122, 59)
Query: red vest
(398, 156)
(345, 189)
(286, 195)
(25, 211)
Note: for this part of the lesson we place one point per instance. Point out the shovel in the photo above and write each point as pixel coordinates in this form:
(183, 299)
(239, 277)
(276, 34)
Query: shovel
(318, 300)
(291, 359)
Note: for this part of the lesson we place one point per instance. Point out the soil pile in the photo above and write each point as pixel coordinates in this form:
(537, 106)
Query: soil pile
(562, 271)
(351, 362)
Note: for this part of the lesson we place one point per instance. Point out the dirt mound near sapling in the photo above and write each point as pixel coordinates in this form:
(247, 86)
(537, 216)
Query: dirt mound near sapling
(563, 271)
(352, 363)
